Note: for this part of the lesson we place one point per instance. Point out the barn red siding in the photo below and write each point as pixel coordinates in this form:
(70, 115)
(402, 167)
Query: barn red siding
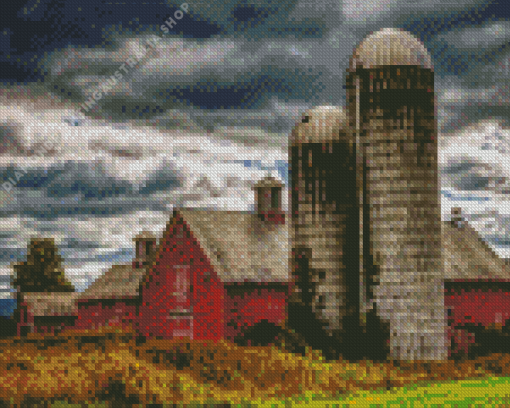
(247, 305)
(479, 302)
(94, 314)
(182, 294)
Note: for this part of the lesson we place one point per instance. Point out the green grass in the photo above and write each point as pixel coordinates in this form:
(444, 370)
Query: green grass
(65, 404)
(486, 392)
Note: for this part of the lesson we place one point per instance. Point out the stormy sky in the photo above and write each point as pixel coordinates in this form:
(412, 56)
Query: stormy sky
(207, 111)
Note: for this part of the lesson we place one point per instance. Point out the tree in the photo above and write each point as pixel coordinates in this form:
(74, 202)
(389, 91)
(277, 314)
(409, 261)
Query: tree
(42, 272)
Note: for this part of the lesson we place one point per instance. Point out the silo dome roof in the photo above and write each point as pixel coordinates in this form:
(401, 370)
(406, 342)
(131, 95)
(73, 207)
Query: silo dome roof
(390, 46)
(320, 124)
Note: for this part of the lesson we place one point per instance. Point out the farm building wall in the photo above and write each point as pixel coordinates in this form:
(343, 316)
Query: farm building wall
(93, 314)
(182, 295)
(248, 303)
(475, 302)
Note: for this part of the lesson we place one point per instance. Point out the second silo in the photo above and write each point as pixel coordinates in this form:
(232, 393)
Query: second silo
(391, 109)
(324, 223)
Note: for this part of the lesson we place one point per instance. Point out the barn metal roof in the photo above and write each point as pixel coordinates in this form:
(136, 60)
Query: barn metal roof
(467, 256)
(240, 246)
(51, 304)
(120, 281)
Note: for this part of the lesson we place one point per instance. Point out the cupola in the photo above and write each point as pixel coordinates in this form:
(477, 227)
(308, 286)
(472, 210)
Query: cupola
(268, 199)
(145, 249)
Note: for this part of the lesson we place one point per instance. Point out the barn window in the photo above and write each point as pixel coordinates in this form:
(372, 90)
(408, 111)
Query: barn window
(182, 282)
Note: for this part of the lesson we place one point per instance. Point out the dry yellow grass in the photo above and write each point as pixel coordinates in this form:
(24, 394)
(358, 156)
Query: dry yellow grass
(181, 371)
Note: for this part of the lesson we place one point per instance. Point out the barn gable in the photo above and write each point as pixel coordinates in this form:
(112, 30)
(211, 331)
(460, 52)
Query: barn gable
(250, 257)
(181, 292)
(218, 272)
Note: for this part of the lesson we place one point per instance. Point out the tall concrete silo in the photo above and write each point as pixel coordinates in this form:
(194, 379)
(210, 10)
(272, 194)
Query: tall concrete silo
(324, 226)
(391, 109)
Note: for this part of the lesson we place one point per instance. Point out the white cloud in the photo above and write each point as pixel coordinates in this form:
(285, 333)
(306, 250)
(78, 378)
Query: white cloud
(382, 12)
(488, 35)
(101, 158)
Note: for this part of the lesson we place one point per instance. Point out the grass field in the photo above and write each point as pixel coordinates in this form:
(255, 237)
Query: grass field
(112, 367)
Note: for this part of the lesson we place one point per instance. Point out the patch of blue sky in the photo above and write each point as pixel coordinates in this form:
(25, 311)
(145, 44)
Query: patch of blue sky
(282, 166)
(453, 197)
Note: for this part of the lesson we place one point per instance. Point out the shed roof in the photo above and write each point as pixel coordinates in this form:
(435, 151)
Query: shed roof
(390, 46)
(120, 281)
(52, 304)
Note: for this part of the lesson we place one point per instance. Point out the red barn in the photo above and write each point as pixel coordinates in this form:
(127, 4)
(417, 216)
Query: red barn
(213, 274)
(477, 283)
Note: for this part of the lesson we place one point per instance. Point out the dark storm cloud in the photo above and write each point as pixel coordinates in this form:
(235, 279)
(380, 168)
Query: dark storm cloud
(77, 189)
(225, 71)
(56, 24)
